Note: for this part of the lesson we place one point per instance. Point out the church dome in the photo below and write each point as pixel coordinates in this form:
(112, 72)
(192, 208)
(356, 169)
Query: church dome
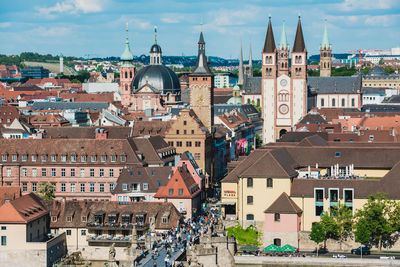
(160, 77)
(155, 48)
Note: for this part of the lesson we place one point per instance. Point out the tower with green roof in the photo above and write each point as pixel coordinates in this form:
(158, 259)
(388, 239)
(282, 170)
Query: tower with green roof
(325, 53)
(127, 72)
(283, 54)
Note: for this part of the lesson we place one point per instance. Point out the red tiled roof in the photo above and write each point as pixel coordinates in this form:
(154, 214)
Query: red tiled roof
(22, 210)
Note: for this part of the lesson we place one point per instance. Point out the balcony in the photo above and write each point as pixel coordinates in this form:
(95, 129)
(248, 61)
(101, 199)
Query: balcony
(109, 238)
(109, 226)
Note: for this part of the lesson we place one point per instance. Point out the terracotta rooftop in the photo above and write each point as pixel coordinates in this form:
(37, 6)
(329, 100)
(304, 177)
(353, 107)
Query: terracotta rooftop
(22, 210)
(8, 193)
(283, 204)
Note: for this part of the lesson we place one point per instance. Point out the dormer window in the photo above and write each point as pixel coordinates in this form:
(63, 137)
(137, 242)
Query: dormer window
(171, 191)
(93, 158)
(113, 158)
(44, 158)
(123, 158)
(145, 186)
(53, 158)
(63, 158)
(103, 158)
(124, 187)
(164, 220)
(4, 157)
(24, 157)
(84, 219)
(69, 219)
(73, 158)
(53, 218)
(14, 158)
(83, 158)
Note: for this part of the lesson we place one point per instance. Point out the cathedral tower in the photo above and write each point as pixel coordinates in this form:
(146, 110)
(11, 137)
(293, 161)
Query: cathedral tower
(283, 94)
(325, 53)
(201, 86)
(155, 51)
(241, 68)
(248, 69)
(127, 73)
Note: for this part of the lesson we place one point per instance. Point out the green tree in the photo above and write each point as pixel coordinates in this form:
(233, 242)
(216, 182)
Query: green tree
(256, 106)
(258, 141)
(378, 222)
(248, 236)
(99, 68)
(75, 80)
(46, 190)
(257, 72)
(318, 234)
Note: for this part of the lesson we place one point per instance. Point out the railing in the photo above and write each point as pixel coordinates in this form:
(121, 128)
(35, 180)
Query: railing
(109, 238)
(109, 226)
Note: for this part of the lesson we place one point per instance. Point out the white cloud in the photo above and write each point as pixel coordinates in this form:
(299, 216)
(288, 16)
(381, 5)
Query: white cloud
(73, 6)
(171, 19)
(134, 22)
(384, 20)
(5, 24)
(51, 32)
(353, 5)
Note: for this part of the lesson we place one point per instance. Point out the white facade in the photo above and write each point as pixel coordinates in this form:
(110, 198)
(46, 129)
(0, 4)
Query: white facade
(93, 88)
(372, 99)
(221, 81)
(338, 101)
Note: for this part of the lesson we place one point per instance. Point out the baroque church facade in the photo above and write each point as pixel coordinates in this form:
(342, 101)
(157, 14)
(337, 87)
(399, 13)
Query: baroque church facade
(283, 87)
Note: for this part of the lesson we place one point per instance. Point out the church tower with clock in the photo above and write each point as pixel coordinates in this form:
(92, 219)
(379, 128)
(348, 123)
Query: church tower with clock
(284, 92)
(201, 87)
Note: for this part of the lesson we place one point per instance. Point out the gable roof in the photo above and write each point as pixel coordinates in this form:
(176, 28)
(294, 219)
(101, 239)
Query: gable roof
(335, 84)
(22, 210)
(314, 140)
(283, 204)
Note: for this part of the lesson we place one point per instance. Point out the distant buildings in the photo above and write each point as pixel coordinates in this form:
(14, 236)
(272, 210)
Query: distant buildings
(36, 72)
(221, 80)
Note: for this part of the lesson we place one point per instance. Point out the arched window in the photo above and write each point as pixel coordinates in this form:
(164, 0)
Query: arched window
(343, 102)
(250, 217)
(248, 100)
(269, 182)
(249, 182)
(283, 65)
(277, 217)
(324, 54)
(258, 102)
(277, 242)
(353, 102)
(333, 102)
(322, 102)
(126, 75)
(130, 75)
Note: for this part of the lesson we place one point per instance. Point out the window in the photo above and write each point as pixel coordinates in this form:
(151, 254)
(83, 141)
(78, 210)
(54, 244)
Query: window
(34, 157)
(101, 173)
(353, 102)
(34, 172)
(184, 122)
(197, 156)
(34, 187)
(8, 172)
(249, 182)
(4, 240)
(145, 186)
(177, 131)
(83, 218)
(72, 188)
(123, 158)
(112, 186)
(113, 158)
(83, 232)
(82, 187)
(269, 182)
(333, 196)
(83, 158)
(73, 158)
(91, 172)
(343, 102)
(24, 172)
(63, 158)
(4, 157)
(184, 132)
(44, 158)
(101, 187)
(43, 172)
(319, 201)
(62, 172)
(53, 158)
(92, 188)
(277, 242)
(24, 187)
(371, 138)
(14, 158)
(337, 154)
(72, 172)
(188, 143)
(249, 200)
(24, 157)
(180, 191)
(54, 218)
(164, 220)
(333, 102)
(124, 187)
(111, 172)
(103, 158)
(93, 159)
(68, 232)
(178, 143)
(82, 172)
(277, 217)
(53, 172)
(171, 191)
(250, 217)
(171, 143)
(63, 187)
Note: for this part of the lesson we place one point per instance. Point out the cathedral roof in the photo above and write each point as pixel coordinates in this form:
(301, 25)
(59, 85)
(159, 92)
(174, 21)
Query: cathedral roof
(325, 40)
(299, 45)
(335, 85)
(283, 43)
(269, 45)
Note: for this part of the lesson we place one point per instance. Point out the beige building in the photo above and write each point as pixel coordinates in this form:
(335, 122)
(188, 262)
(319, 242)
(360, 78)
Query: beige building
(255, 183)
(24, 234)
(377, 77)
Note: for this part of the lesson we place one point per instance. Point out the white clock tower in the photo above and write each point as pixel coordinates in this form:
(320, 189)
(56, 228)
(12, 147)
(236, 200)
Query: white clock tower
(284, 93)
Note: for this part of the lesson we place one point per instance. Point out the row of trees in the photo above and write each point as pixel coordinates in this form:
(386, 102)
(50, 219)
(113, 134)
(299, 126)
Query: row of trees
(375, 225)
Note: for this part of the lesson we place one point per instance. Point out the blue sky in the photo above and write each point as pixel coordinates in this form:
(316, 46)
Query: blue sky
(97, 27)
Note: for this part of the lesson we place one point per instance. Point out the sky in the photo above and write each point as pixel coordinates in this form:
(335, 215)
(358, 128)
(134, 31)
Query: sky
(96, 28)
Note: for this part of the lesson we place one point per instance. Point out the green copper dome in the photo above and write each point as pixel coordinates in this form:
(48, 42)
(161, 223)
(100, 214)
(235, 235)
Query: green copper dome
(127, 54)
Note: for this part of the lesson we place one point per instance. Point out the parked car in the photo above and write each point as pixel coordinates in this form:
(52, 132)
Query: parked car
(357, 251)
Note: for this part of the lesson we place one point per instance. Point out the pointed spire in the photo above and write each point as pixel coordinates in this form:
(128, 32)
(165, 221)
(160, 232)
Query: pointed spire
(299, 45)
(250, 57)
(155, 34)
(269, 45)
(325, 41)
(127, 54)
(201, 63)
(241, 70)
(283, 43)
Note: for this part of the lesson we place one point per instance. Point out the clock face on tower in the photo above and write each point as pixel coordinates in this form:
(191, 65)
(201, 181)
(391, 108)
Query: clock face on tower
(283, 109)
(283, 82)
(200, 100)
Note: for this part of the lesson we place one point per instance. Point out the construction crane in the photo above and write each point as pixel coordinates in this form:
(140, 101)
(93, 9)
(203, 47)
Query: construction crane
(363, 51)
